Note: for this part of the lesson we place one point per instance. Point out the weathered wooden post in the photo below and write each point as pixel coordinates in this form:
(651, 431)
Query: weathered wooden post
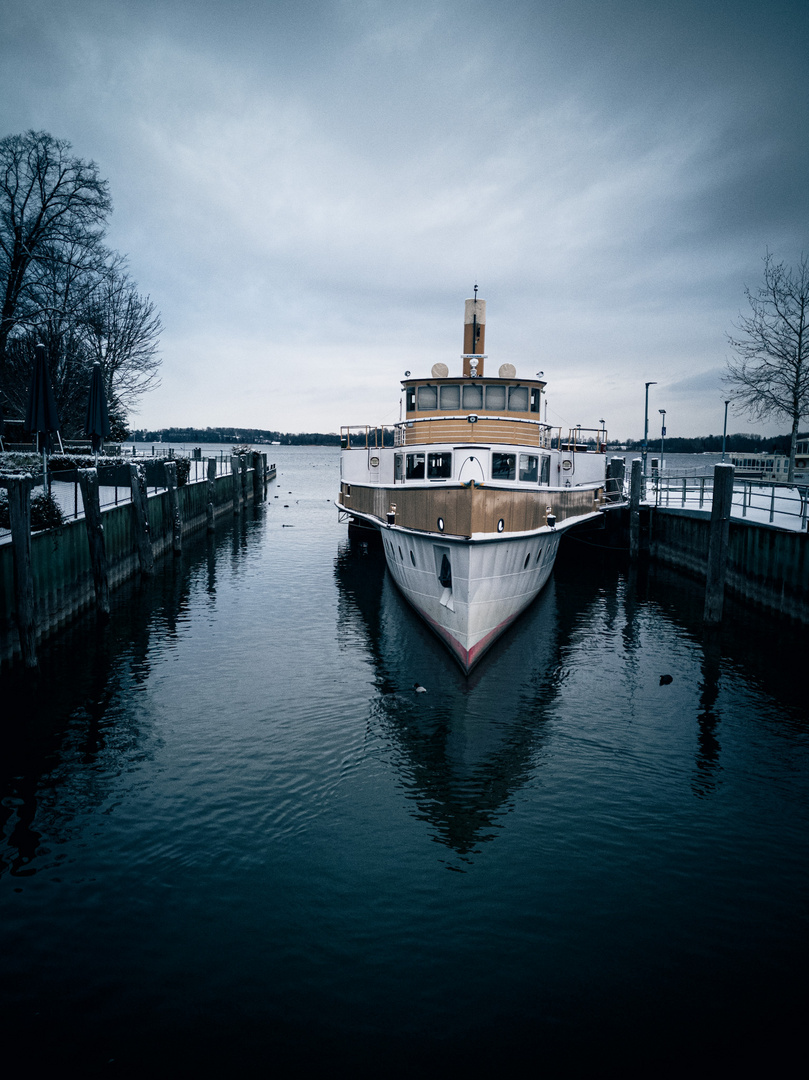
(718, 543)
(88, 482)
(635, 484)
(616, 470)
(258, 477)
(235, 475)
(243, 474)
(140, 518)
(174, 507)
(19, 506)
(211, 523)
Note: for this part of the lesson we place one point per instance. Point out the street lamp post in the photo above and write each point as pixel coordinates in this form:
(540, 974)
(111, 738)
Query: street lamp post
(646, 430)
(662, 435)
(725, 430)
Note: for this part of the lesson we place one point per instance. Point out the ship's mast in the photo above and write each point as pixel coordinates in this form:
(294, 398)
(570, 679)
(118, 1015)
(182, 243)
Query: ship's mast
(474, 336)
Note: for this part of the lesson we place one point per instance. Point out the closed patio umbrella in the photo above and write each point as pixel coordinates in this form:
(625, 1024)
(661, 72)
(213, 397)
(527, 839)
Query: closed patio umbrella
(41, 415)
(97, 424)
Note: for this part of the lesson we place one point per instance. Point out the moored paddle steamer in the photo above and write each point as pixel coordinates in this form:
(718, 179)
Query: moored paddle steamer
(473, 496)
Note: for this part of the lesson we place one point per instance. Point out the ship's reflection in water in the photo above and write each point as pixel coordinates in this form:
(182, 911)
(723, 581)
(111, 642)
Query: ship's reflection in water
(465, 744)
(232, 833)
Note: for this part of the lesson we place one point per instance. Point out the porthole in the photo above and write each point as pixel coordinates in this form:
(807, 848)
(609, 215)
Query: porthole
(401, 556)
(412, 557)
(440, 524)
(501, 525)
(527, 561)
(539, 554)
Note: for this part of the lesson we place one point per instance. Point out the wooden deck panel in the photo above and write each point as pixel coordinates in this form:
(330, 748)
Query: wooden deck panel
(508, 432)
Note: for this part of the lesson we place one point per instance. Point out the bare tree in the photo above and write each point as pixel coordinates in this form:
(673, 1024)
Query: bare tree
(60, 286)
(123, 332)
(769, 375)
(47, 198)
(57, 294)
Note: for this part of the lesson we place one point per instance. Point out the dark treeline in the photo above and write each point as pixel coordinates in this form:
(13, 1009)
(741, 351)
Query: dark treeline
(232, 435)
(712, 444)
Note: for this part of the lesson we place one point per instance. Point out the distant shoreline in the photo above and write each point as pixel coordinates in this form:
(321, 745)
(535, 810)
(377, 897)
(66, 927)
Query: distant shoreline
(233, 435)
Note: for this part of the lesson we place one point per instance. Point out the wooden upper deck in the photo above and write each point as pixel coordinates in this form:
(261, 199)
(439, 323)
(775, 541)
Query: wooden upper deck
(473, 410)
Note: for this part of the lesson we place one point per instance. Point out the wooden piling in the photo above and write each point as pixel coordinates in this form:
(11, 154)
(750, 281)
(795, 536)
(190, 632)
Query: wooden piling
(235, 472)
(635, 484)
(718, 542)
(88, 482)
(616, 472)
(140, 519)
(174, 508)
(243, 474)
(19, 505)
(258, 476)
(211, 511)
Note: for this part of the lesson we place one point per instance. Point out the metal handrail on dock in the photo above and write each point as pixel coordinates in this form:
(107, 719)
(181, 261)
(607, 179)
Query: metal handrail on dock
(756, 500)
(114, 485)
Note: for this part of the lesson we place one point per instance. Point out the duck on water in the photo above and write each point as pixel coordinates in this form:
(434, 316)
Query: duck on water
(473, 496)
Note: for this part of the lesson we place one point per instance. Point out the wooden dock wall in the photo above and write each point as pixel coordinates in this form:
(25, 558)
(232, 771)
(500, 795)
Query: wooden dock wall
(765, 565)
(60, 558)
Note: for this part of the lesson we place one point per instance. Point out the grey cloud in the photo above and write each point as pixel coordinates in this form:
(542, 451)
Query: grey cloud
(320, 184)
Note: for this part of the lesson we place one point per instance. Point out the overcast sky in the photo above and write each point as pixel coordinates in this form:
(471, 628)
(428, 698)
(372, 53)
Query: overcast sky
(308, 190)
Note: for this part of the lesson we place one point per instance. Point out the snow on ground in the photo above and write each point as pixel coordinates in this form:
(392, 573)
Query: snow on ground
(764, 504)
(68, 494)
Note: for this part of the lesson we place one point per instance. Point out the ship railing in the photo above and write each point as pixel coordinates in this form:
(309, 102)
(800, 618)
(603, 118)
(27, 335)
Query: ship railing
(754, 500)
(366, 437)
(614, 491)
(586, 440)
(459, 428)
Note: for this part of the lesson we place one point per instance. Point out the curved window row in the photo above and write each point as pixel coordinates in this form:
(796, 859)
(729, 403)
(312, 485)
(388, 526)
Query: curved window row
(473, 396)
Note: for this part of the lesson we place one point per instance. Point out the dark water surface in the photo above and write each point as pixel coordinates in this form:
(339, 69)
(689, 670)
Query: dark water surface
(232, 835)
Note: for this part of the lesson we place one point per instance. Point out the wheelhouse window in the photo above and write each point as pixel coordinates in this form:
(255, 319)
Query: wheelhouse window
(518, 399)
(473, 396)
(529, 468)
(504, 466)
(439, 466)
(415, 467)
(450, 397)
(428, 397)
(536, 397)
(411, 399)
(496, 397)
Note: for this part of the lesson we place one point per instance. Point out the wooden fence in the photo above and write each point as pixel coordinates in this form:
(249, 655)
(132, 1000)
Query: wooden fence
(48, 577)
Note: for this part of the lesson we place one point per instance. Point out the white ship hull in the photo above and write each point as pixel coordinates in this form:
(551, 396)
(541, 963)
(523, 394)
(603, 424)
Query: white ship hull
(491, 583)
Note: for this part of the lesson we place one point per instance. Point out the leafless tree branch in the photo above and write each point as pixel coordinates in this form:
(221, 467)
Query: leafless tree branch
(769, 372)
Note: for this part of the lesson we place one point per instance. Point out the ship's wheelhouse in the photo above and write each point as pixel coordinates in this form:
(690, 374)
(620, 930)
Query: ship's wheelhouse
(453, 396)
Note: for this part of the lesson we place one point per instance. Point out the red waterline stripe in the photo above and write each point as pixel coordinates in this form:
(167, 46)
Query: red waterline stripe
(468, 657)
